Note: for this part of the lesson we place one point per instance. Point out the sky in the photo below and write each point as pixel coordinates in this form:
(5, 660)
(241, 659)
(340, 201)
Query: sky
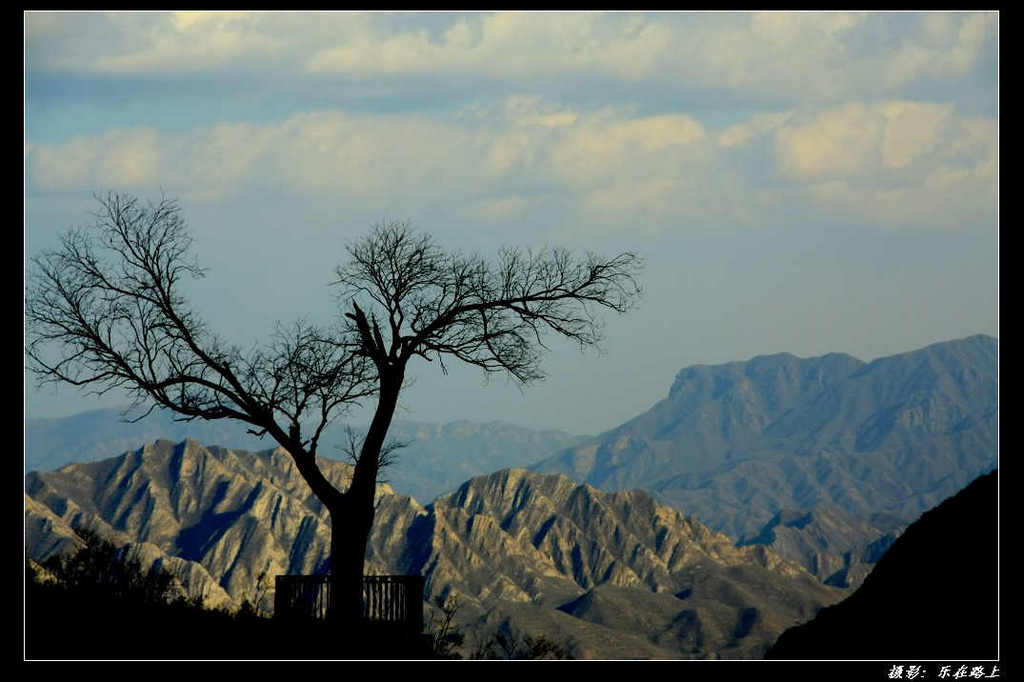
(800, 182)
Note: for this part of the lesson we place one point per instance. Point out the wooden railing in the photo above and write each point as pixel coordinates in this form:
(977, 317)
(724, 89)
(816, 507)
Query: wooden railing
(387, 599)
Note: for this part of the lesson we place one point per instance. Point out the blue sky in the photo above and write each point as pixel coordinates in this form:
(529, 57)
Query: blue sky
(803, 182)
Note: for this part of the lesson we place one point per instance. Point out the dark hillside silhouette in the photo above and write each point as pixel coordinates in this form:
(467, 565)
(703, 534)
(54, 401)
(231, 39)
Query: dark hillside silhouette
(99, 603)
(933, 596)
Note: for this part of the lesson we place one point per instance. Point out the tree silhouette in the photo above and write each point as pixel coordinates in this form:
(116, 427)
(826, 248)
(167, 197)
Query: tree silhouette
(105, 311)
(421, 301)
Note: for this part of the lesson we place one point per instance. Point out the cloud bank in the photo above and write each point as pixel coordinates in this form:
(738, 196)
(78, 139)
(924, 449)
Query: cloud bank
(892, 163)
(805, 56)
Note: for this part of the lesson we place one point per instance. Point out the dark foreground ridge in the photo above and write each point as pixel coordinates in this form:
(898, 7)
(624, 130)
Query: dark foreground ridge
(102, 603)
(63, 626)
(933, 596)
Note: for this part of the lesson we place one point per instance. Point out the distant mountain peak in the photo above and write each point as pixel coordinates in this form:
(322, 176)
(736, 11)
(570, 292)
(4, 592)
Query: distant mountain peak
(735, 443)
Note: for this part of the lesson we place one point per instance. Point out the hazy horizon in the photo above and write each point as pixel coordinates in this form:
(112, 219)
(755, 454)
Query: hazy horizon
(357, 416)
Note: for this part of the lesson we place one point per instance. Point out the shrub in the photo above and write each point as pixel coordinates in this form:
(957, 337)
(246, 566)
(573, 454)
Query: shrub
(508, 643)
(101, 569)
(444, 638)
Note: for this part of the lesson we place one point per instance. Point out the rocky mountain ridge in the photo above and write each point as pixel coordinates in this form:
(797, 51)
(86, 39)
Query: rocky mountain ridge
(516, 548)
(838, 549)
(737, 443)
(436, 459)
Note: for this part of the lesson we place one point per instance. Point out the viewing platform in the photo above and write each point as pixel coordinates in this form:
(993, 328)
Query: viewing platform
(391, 601)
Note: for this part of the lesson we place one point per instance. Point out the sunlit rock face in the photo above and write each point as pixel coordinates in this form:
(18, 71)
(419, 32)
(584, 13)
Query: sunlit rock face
(234, 514)
(514, 547)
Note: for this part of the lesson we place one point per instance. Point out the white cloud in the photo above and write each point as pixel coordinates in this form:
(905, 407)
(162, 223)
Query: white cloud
(759, 124)
(895, 163)
(600, 150)
(912, 130)
(759, 50)
(212, 163)
(376, 156)
(861, 140)
(792, 28)
(132, 159)
(836, 143)
(948, 200)
(937, 29)
(799, 56)
(527, 110)
(506, 44)
(937, 53)
(122, 158)
(186, 20)
(190, 41)
(157, 42)
(890, 162)
(513, 151)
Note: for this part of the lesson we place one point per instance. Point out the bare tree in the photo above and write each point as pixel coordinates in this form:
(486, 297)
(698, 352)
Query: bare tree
(409, 298)
(105, 311)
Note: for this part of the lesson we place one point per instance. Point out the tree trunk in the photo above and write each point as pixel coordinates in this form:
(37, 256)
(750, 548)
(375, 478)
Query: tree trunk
(348, 552)
(352, 517)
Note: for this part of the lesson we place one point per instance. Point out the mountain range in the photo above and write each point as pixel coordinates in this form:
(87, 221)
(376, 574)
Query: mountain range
(756, 493)
(734, 444)
(740, 443)
(608, 574)
(436, 457)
